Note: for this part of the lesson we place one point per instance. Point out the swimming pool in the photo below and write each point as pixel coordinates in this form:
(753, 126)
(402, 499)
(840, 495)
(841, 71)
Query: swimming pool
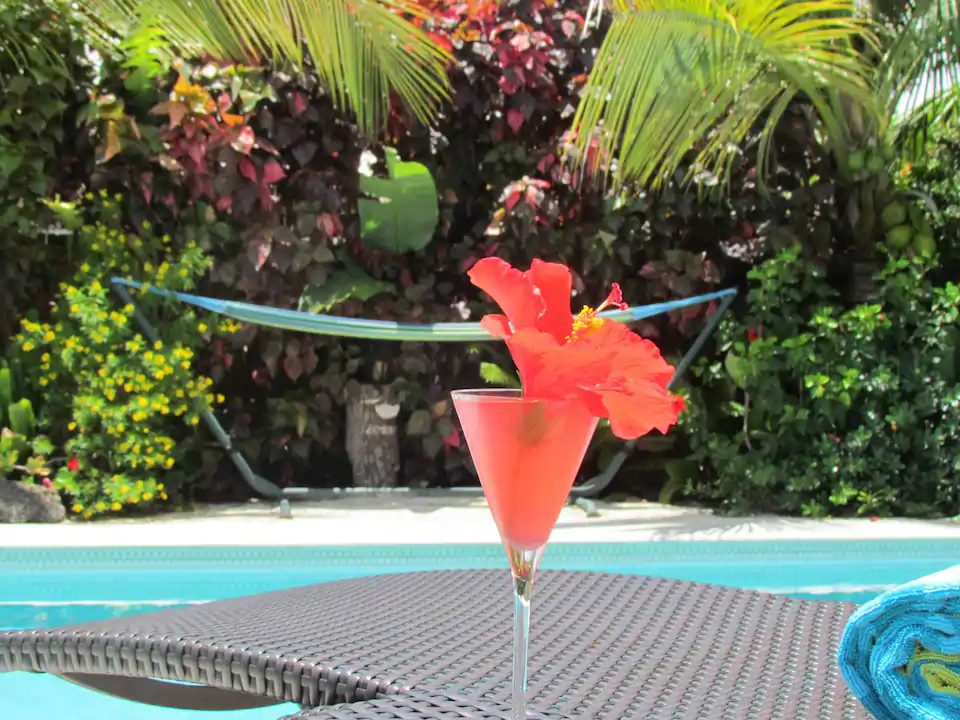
(48, 587)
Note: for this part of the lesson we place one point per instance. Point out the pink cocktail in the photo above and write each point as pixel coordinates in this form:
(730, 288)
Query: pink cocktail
(527, 452)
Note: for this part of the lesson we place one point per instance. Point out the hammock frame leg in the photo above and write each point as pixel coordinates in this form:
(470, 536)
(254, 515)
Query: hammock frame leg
(260, 485)
(582, 495)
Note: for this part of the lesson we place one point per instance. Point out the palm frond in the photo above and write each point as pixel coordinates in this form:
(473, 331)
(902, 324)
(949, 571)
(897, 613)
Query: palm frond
(672, 75)
(362, 50)
(919, 73)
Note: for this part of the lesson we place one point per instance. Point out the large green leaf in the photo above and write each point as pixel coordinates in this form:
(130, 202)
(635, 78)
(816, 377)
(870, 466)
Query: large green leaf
(403, 213)
(350, 283)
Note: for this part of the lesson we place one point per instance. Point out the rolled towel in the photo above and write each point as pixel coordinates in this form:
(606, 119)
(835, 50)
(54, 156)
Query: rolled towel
(900, 652)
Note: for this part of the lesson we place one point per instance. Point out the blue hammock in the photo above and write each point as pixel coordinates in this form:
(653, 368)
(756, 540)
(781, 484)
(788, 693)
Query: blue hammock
(297, 321)
(410, 332)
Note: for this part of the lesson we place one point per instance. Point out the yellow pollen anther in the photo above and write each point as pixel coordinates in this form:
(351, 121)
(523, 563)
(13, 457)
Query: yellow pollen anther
(587, 321)
(584, 323)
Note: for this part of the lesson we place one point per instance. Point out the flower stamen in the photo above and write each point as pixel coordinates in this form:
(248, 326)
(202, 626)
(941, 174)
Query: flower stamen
(587, 321)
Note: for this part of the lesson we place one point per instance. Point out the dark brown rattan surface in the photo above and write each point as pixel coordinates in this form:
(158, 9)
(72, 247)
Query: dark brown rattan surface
(603, 646)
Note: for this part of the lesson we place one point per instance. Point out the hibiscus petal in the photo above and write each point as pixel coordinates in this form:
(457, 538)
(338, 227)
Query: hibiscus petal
(554, 282)
(647, 406)
(636, 357)
(531, 350)
(510, 289)
(496, 325)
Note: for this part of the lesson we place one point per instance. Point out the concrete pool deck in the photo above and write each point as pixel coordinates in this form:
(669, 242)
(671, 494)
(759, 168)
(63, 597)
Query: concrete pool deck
(442, 519)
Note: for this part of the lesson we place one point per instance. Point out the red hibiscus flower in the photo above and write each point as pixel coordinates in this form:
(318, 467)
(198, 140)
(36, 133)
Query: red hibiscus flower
(73, 464)
(752, 335)
(612, 370)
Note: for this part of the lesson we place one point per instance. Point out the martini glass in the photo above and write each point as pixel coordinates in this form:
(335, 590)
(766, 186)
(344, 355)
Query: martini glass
(527, 452)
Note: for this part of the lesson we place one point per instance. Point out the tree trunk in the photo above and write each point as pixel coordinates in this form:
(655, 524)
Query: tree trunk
(372, 444)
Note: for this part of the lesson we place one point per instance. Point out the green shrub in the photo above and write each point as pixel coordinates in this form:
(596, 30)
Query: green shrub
(817, 410)
(23, 452)
(121, 402)
(46, 79)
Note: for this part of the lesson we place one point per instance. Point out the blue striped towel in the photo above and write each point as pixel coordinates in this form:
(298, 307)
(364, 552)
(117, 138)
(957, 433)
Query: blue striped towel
(900, 652)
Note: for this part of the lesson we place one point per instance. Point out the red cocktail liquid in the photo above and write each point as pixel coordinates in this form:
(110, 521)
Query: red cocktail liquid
(527, 453)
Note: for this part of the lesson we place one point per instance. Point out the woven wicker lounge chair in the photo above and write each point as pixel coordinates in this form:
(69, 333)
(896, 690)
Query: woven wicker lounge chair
(437, 645)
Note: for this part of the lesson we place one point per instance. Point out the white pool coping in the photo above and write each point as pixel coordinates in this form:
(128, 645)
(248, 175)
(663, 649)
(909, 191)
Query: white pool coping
(352, 521)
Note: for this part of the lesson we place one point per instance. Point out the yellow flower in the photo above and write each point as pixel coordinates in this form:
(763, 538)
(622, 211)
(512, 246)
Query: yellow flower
(48, 336)
(163, 496)
(78, 508)
(169, 462)
(128, 309)
(194, 420)
(72, 426)
(202, 327)
(147, 497)
(116, 506)
(85, 268)
(27, 346)
(43, 382)
(220, 398)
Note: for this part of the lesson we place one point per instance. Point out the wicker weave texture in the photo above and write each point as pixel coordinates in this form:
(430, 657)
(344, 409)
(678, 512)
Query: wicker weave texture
(417, 706)
(605, 646)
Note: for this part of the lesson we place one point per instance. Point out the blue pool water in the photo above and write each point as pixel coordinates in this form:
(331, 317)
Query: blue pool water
(45, 588)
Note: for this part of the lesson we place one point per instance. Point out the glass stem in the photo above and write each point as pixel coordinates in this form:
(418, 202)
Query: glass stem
(523, 565)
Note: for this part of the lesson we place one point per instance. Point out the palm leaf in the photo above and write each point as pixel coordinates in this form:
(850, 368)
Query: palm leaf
(362, 50)
(918, 77)
(673, 75)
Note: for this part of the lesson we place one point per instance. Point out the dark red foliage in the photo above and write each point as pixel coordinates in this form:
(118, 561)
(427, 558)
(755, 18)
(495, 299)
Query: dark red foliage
(283, 181)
